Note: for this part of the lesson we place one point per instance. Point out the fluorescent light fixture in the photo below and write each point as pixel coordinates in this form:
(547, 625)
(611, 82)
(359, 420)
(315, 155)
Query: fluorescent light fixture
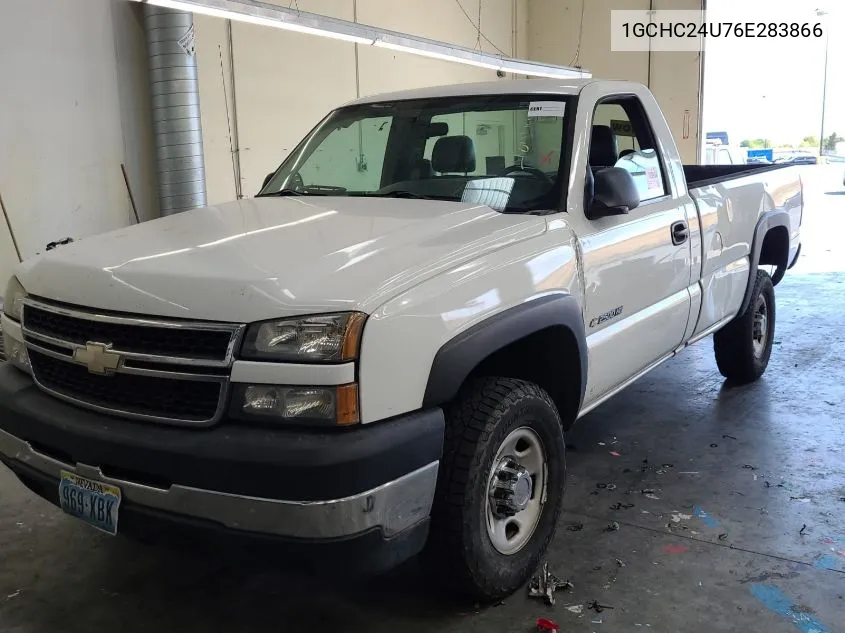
(522, 67)
(436, 50)
(274, 16)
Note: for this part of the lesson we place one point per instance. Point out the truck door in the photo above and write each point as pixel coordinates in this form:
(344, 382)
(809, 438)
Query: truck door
(636, 266)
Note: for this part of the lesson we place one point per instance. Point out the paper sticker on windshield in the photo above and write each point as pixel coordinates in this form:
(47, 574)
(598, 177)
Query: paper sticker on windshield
(547, 108)
(652, 175)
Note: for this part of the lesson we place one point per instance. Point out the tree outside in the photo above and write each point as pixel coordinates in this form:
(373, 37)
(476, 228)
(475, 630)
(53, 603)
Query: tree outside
(757, 143)
(831, 141)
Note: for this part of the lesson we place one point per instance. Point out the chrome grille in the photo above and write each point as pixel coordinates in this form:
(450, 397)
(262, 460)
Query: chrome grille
(167, 371)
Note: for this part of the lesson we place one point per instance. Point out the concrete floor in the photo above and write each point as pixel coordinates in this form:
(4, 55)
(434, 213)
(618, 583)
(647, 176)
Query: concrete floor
(718, 546)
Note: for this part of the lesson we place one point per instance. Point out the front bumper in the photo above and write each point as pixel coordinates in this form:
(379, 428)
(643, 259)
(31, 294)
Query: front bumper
(294, 484)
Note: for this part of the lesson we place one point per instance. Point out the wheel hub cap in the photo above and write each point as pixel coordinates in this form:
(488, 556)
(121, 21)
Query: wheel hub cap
(516, 490)
(511, 488)
(760, 328)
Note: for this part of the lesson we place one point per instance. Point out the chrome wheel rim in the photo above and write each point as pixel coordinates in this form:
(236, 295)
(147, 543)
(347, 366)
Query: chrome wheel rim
(516, 490)
(760, 326)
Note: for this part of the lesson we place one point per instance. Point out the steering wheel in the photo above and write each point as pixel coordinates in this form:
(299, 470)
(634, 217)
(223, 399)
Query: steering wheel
(531, 171)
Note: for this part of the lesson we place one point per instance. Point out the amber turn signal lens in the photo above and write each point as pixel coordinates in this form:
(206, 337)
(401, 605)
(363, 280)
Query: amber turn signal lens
(347, 405)
(352, 336)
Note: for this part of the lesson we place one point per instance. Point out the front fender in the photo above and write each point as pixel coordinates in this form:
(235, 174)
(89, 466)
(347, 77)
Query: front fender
(403, 336)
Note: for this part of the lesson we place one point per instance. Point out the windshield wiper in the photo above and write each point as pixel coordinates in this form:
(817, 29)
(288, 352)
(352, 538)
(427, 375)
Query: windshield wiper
(281, 192)
(396, 194)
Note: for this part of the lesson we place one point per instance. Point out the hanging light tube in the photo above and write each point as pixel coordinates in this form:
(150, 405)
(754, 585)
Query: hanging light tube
(263, 14)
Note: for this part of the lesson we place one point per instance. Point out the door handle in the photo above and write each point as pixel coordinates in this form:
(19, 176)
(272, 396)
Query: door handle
(680, 232)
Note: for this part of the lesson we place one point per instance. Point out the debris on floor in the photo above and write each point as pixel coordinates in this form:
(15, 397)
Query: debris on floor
(672, 548)
(612, 527)
(13, 595)
(576, 608)
(803, 529)
(677, 517)
(801, 499)
(615, 454)
(723, 536)
(728, 437)
(598, 608)
(575, 527)
(621, 506)
(544, 585)
(544, 624)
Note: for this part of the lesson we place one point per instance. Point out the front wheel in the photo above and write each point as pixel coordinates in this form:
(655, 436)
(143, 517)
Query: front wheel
(743, 347)
(500, 488)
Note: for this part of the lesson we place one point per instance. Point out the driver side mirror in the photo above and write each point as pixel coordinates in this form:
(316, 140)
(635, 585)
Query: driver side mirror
(614, 193)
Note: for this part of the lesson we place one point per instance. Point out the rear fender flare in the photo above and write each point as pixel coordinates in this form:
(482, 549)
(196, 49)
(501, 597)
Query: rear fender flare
(769, 220)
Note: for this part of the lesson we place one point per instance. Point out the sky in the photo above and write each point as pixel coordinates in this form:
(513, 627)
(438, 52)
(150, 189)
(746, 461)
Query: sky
(759, 88)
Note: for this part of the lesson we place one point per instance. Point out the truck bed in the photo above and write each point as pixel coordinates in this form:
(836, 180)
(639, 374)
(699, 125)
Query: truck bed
(703, 175)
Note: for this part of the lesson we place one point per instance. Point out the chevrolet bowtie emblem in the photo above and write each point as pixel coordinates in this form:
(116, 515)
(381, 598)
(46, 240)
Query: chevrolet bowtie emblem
(99, 358)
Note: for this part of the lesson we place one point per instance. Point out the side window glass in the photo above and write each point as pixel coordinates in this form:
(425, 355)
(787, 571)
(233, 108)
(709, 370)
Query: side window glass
(618, 140)
(644, 167)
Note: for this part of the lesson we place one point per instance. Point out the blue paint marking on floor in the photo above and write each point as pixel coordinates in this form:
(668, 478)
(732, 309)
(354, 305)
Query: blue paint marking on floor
(827, 562)
(778, 602)
(706, 517)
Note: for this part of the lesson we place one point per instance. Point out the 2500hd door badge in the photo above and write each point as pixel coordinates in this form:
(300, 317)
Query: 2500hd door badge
(607, 316)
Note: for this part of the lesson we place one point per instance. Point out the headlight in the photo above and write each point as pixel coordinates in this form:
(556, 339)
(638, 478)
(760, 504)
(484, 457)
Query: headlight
(323, 338)
(324, 405)
(13, 302)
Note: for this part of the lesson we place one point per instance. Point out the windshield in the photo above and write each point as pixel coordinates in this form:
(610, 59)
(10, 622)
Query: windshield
(503, 151)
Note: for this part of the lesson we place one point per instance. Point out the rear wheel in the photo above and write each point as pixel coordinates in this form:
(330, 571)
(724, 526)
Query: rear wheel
(500, 488)
(743, 347)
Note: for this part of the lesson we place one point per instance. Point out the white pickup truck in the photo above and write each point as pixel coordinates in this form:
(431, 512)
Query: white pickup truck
(379, 354)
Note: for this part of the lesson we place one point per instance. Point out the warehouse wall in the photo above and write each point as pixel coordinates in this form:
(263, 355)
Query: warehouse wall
(286, 82)
(75, 106)
(555, 36)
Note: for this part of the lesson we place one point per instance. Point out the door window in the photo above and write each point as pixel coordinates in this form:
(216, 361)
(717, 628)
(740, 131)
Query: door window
(622, 137)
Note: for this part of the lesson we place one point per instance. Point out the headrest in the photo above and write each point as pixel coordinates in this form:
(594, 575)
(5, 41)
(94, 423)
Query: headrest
(603, 151)
(453, 154)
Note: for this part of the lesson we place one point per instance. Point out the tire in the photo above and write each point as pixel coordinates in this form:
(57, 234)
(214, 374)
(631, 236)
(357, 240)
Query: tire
(743, 347)
(460, 551)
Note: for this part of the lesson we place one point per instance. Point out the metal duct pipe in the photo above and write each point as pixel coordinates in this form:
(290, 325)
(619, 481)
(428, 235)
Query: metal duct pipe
(176, 109)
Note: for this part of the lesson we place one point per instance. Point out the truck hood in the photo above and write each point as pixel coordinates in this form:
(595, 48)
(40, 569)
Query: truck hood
(272, 257)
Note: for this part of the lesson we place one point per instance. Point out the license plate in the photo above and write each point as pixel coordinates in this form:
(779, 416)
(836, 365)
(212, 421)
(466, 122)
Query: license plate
(92, 501)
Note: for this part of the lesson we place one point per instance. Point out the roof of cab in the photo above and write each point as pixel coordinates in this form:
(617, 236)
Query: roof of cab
(517, 87)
